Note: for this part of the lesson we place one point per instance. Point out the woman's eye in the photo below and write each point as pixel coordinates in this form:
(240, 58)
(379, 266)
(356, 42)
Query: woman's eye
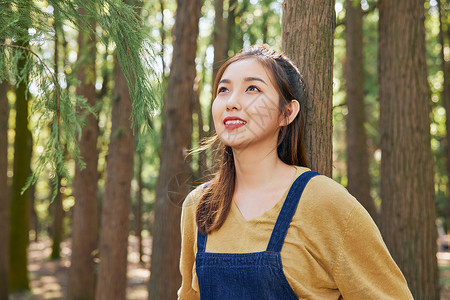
(253, 88)
(222, 90)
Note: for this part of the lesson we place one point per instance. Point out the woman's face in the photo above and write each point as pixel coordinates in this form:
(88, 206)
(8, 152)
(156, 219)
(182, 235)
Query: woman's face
(246, 108)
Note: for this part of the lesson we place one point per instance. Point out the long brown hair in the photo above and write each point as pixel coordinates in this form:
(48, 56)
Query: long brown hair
(215, 203)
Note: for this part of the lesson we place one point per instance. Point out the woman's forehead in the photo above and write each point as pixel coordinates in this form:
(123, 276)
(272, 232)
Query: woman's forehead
(245, 68)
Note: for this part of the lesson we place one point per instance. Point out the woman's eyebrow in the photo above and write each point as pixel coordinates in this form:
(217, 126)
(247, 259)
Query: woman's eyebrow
(254, 79)
(224, 81)
(245, 79)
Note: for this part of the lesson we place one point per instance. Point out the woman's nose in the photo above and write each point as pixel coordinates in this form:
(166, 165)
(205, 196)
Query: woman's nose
(233, 102)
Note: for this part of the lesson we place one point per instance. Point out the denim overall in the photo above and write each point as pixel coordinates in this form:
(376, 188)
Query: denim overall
(257, 275)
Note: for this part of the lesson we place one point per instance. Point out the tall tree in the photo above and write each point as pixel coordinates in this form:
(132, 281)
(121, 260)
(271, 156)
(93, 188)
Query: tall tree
(4, 195)
(57, 227)
(57, 207)
(312, 51)
(139, 203)
(444, 40)
(407, 184)
(357, 154)
(176, 139)
(231, 27)
(82, 274)
(20, 202)
(220, 50)
(219, 37)
(112, 275)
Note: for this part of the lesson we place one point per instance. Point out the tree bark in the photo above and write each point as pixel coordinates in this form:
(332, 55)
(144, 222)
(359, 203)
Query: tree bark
(220, 50)
(219, 37)
(357, 153)
(57, 229)
(82, 273)
(307, 38)
(174, 171)
(231, 27)
(20, 202)
(202, 157)
(140, 201)
(112, 276)
(4, 195)
(58, 212)
(407, 184)
(445, 93)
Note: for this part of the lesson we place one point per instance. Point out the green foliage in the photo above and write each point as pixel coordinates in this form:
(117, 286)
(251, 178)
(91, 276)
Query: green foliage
(58, 108)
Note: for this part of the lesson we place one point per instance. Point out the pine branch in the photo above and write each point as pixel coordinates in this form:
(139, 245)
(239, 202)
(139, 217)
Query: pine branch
(48, 69)
(61, 111)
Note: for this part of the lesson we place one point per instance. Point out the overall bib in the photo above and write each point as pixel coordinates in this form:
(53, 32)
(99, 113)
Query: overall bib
(257, 275)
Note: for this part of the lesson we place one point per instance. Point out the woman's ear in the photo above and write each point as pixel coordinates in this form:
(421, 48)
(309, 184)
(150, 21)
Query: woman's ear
(291, 111)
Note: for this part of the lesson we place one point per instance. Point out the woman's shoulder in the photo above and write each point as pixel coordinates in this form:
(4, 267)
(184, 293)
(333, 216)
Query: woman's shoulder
(324, 195)
(194, 196)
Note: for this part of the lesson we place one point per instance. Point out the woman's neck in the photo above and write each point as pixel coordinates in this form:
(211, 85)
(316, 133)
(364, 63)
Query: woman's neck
(256, 169)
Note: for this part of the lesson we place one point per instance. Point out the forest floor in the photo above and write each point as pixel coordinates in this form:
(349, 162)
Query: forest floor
(48, 278)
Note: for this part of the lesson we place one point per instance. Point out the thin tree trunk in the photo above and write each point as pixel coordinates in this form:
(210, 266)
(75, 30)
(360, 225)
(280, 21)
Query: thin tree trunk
(138, 214)
(407, 178)
(112, 276)
(231, 24)
(4, 195)
(58, 212)
(162, 32)
(20, 202)
(202, 158)
(174, 171)
(34, 222)
(445, 94)
(58, 217)
(82, 272)
(307, 38)
(357, 152)
(219, 39)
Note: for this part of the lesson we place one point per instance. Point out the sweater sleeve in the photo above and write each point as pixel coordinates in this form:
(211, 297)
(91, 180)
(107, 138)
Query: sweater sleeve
(187, 290)
(364, 265)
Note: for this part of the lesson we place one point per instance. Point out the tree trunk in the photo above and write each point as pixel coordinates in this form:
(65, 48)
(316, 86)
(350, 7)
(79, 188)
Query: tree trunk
(58, 217)
(219, 37)
(112, 276)
(174, 172)
(33, 221)
(20, 202)
(202, 157)
(138, 214)
(407, 184)
(357, 153)
(231, 24)
(445, 94)
(82, 273)
(307, 38)
(58, 212)
(4, 195)
(220, 50)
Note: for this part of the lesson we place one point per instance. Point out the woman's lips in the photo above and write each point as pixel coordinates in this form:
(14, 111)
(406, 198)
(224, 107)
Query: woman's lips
(233, 123)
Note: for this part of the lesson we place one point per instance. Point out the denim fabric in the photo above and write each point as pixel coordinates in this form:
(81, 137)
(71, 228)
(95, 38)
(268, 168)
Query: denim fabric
(257, 275)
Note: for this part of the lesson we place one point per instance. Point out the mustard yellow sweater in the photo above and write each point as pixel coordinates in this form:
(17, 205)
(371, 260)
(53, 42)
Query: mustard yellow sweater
(332, 250)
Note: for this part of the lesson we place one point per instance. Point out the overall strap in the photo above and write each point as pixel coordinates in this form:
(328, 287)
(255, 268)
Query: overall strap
(288, 210)
(201, 242)
(201, 238)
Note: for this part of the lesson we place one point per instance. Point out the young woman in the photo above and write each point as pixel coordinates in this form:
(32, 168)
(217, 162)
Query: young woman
(266, 227)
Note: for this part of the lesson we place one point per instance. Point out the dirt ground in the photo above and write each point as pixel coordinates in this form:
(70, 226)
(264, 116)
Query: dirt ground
(48, 279)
